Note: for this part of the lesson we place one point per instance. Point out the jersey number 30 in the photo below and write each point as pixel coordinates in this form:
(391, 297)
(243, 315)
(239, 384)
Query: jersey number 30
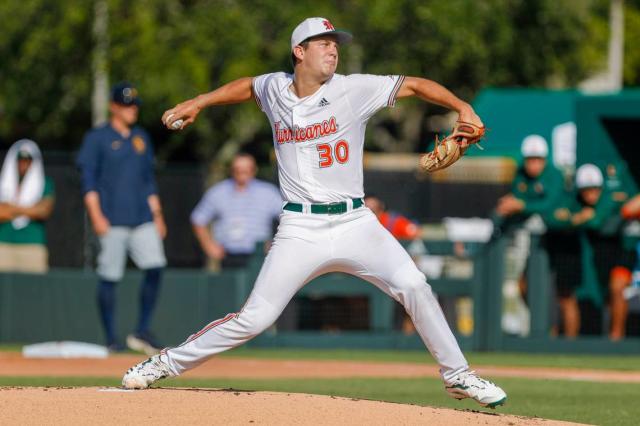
(339, 153)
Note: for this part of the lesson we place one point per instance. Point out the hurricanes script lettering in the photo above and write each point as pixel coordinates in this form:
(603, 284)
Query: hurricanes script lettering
(307, 133)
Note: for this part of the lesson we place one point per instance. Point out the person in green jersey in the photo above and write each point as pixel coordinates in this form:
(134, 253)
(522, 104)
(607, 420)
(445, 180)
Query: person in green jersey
(601, 221)
(538, 188)
(562, 243)
(26, 202)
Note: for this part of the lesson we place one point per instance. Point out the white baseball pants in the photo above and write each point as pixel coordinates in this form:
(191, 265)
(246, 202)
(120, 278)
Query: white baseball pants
(306, 246)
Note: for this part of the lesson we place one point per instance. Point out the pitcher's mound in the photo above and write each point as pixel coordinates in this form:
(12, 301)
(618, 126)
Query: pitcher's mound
(179, 406)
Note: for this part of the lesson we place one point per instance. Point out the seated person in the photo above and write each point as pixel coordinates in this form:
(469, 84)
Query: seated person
(26, 202)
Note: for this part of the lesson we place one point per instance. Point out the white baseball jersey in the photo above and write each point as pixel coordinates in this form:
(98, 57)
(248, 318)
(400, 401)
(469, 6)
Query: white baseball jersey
(319, 142)
(319, 139)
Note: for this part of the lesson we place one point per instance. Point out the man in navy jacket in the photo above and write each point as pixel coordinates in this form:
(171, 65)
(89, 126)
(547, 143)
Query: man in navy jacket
(121, 197)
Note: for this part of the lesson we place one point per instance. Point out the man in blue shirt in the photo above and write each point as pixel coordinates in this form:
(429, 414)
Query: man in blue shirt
(242, 210)
(120, 194)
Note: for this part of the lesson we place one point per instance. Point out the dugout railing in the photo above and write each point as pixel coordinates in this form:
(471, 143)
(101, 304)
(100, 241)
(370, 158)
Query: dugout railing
(61, 305)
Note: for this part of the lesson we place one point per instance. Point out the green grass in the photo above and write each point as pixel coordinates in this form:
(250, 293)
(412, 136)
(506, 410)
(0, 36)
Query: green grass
(584, 402)
(599, 362)
(11, 347)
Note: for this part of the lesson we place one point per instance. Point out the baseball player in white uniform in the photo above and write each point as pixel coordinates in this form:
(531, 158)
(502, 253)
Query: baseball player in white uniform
(318, 120)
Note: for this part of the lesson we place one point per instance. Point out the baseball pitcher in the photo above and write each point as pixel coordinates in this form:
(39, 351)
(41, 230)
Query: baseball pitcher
(318, 120)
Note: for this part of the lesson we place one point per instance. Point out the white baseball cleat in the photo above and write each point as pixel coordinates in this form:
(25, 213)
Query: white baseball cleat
(468, 385)
(140, 376)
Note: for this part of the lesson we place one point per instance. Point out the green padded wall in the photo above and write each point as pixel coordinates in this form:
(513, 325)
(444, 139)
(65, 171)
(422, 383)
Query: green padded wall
(512, 114)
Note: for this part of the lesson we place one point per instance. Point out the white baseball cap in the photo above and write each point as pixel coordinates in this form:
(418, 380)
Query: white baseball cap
(313, 27)
(534, 146)
(589, 176)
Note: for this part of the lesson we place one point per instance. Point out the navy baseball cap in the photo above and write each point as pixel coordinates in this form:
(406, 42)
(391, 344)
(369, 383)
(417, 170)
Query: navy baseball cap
(124, 93)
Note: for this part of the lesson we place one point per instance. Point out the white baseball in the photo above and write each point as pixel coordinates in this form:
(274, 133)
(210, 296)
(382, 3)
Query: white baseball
(177, 124)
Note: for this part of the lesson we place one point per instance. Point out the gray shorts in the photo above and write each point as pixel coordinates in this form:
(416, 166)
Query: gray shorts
(143, 243)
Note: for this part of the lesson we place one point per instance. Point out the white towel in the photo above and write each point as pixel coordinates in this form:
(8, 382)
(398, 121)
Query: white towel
(29, 191)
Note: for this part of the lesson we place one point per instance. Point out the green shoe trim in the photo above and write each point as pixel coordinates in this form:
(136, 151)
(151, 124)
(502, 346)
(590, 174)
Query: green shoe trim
(495, 404)
(458, 387)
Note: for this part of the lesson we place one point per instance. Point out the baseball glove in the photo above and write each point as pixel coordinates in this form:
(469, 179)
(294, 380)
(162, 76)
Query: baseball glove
(451, 148)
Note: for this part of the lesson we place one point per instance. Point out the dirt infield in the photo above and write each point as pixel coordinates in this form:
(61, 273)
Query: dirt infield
(209, 406)
(108, 406)
(13, 364)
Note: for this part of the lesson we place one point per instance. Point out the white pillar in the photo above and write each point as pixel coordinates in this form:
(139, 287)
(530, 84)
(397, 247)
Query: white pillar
(100, 65)
(616, 44)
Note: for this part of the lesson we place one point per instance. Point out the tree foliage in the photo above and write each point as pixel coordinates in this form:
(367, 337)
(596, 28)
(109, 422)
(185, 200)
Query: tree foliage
(175, 49)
